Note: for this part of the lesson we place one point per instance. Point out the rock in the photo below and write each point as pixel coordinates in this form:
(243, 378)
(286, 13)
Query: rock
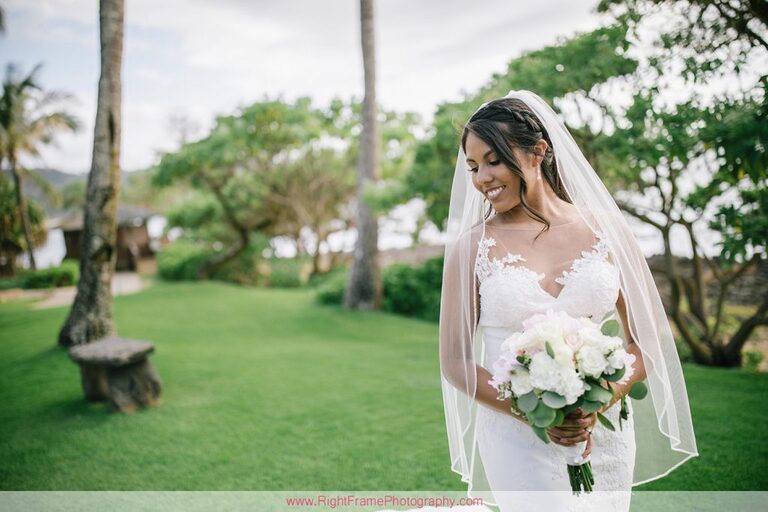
(117, 369)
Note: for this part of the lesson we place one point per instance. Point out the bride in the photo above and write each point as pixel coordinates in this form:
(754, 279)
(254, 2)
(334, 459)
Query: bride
(531, 227)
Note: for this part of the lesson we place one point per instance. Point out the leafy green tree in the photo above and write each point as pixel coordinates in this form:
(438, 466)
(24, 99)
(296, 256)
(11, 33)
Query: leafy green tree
(27, 122)
(574, 68)
(656, 152)
(279, 168)
(12, 240)
(710, 37)
(235, 167)
(714, 40)
(314, 191)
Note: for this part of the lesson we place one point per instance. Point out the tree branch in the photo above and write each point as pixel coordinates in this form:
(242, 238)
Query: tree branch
(736, 343)
(641, 216)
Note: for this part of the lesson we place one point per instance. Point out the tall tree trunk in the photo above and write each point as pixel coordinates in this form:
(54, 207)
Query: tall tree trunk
(321, 237)
(91, 315)
(364, 289)
(21, 204)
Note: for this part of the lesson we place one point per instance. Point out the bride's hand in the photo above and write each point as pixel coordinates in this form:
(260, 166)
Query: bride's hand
(573, 429)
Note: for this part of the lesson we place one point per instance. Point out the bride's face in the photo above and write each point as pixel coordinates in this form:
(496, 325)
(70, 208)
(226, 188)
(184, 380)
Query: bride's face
(492, 178)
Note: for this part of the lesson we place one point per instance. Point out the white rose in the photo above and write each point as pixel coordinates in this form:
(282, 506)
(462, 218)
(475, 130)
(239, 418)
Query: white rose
(591, 361)
(550, 332)
(591, 336)
(525, 342)
(611, 343)
(563, 353)
(616, 360)
(594, 338)
(629, 360)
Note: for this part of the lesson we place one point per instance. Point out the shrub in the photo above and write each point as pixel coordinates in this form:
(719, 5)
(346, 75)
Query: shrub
(752, 359)
(414, 291)
(331, 291)
(288, 272)
(407, 290)
(9, 283)
(319, 280)
(402, 290)
(66, 274)
(181, 260)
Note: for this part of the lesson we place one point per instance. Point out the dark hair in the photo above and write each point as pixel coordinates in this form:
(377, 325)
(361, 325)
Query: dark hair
(505, 123)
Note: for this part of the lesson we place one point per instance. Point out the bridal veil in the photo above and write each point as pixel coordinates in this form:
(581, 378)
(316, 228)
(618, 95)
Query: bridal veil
(663, 426)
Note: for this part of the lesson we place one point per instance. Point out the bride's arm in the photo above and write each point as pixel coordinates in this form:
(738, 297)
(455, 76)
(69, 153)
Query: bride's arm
(488, 395)
(457, 329)
(639, 373)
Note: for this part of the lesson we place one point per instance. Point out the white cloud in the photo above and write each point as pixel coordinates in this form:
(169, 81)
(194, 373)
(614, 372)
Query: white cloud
(208, 57)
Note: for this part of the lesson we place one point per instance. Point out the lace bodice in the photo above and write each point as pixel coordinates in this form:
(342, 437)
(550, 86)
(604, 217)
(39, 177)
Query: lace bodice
(510, 291)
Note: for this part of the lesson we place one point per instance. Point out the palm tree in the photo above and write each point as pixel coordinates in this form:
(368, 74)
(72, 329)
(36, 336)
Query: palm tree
(91, 315)
(26, 122)
(364, 289)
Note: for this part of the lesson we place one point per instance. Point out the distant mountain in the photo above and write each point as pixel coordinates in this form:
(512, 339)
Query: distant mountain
(58, 180)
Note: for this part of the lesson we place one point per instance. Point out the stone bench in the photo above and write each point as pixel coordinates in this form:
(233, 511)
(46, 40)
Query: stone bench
(117, 369)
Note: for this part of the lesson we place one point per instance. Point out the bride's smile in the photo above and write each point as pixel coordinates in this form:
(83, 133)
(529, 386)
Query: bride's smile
(498, 178)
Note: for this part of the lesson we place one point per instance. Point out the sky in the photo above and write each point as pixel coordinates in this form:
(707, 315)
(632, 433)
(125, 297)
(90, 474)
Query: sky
(202, 58)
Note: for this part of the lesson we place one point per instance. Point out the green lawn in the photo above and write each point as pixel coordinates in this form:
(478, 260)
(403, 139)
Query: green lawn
(265, 390)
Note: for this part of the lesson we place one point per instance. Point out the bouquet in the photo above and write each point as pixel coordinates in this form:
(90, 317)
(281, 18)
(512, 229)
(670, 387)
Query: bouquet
(558, 364)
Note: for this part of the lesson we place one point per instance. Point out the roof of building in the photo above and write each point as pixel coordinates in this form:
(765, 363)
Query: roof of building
(127, 215)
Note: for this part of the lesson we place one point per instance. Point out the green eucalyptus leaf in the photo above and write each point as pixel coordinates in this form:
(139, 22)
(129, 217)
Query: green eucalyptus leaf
(606, 422)
(559, 418)
(610, 327)
(598, 394)
(541, 433)
(590, 407)
(553, 400)
(617, 375)
(528, 402)
(591, 381)
(638, 391)
(543, 415)
(550, 350)
(568, 409)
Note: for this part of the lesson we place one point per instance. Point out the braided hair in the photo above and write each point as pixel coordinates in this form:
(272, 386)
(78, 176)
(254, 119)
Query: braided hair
(505, 123)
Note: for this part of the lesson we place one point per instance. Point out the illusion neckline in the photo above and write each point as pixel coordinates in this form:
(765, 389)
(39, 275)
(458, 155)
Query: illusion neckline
(522, 228)
(538, 277)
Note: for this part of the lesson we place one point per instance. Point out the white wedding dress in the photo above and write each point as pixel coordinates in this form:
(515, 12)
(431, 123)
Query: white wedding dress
(510, 289)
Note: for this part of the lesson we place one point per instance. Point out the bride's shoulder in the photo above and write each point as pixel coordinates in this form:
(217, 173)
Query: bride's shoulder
(465, 243)
(472, 234)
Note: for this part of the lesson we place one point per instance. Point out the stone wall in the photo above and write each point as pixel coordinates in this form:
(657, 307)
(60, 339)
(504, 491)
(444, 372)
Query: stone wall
(747, 290)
